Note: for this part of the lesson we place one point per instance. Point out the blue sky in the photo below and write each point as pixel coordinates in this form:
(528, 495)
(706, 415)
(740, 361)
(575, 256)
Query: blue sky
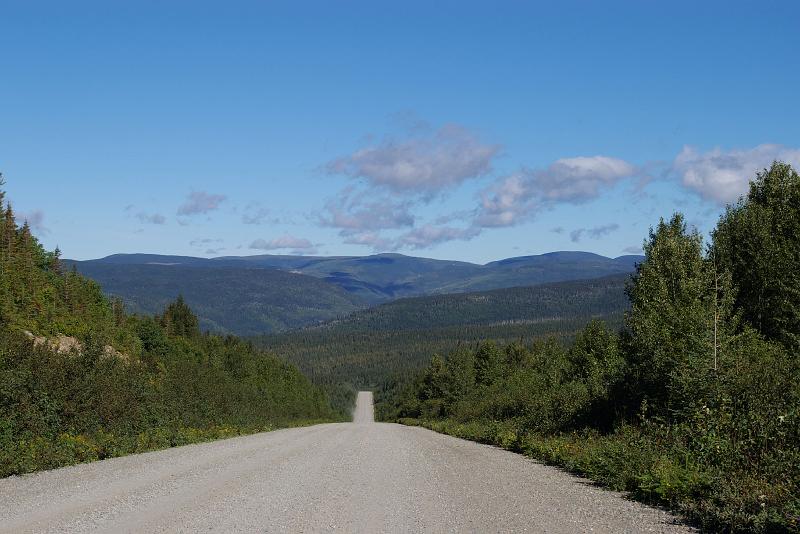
(462, 130)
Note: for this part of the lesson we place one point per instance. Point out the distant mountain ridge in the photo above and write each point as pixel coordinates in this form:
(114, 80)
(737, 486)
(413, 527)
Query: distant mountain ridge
(271, 293)
(383, 277)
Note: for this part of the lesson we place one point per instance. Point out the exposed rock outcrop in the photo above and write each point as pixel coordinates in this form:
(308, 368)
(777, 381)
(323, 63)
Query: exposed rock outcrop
(62, 344)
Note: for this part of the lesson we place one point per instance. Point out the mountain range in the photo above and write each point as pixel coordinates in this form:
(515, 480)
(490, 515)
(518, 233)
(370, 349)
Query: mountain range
(250, 295)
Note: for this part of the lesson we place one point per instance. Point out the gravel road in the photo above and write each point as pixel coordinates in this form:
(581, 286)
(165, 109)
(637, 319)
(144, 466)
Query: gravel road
(351, 477)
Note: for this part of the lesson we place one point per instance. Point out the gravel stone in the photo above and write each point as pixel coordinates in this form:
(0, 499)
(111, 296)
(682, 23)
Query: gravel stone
(349, 477)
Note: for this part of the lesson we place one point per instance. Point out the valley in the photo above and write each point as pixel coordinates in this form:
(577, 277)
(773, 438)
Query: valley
(397, 338)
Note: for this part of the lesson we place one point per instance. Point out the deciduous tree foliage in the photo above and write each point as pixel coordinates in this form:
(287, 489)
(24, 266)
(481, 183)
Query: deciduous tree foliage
(756, 240)
(679, 320)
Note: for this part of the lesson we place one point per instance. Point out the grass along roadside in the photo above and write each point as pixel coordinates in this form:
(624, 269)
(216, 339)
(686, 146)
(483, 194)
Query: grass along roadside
(65, 449)
(651, 466)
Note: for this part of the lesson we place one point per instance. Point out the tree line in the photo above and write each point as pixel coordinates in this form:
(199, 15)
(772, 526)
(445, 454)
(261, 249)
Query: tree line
(397, 338)
(694, 403)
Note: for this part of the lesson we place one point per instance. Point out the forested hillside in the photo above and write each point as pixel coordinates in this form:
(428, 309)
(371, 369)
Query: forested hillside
(82, 380)
(554, 301)
(241, 301)
(542, 269)
(399, 337)
(694, 404)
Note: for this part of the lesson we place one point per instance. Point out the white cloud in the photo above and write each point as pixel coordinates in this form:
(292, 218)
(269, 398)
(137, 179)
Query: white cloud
(516, 198)
(723, 176)
(634, 249)
(296, 244)
(593, 233)
(430, 235)
(357, 212)
(580, 179)
(198, 202)
(399, 174)
(424, 164)
(509, 201)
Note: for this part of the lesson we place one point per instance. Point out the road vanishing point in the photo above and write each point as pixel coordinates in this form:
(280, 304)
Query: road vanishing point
(346, 477)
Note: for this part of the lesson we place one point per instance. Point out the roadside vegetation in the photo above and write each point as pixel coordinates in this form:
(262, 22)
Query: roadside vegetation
(693, 404)
(80, 380)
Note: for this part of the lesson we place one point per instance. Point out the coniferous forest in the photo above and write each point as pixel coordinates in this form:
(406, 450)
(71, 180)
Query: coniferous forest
(693, 404)
(82, 380)
(397, 339)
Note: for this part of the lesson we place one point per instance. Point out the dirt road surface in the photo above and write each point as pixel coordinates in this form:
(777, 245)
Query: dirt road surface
(350, 477)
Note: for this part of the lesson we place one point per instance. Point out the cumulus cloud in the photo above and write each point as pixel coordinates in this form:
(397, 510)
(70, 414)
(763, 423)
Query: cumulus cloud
(199, 202)
(296, 244)
(722, 176)
(357, 212)
(509, 201)
(429, 235)
(398, 174)
(516, 198)
(151, 218)
(35, 219)
(425, 164)
(593, 233)
(361, 218)
(580, 179)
